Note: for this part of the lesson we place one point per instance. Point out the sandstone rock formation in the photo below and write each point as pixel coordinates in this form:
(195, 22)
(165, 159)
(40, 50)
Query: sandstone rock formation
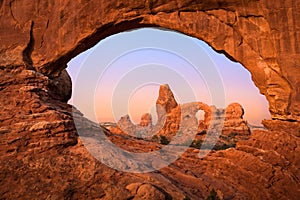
(165, 102)
(234, 127)
(126, 125)
(145, 191)
(43, 157)
(234, 111)
(146, 120)
(174, 119)
(234, 119)
(259, 34)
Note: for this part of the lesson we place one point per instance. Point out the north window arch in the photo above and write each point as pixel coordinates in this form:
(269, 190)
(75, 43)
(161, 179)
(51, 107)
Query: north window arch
(250, 36)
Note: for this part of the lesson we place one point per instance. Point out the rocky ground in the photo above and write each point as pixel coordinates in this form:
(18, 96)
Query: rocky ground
(42, 156)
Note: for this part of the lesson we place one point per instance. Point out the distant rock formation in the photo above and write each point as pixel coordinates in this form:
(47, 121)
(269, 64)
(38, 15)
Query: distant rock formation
(41, 155)
(174, 118)
(126, 125)
(165, 102)
(234, 119)
(146, 120)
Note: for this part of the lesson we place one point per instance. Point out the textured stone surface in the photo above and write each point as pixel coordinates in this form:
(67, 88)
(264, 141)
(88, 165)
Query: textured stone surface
(145, 191)
(175, 118)
(41, 155)
(261, 35)
(234, 111)
(146, 120)
(125, 125)
(165, 101)
(234, 119)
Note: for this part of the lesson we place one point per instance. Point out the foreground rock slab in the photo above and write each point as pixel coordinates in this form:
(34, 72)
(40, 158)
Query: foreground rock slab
(43, 157)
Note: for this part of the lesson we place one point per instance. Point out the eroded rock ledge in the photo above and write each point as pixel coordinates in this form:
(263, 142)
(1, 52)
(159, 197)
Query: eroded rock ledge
(43, 157)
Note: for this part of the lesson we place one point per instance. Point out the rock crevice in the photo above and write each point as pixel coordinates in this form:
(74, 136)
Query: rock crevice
(29, 49)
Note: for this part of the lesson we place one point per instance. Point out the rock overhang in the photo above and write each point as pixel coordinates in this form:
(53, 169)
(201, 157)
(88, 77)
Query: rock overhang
(45, 36)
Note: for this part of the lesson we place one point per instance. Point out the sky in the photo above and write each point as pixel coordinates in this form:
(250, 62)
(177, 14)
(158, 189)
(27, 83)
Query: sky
(122, 73)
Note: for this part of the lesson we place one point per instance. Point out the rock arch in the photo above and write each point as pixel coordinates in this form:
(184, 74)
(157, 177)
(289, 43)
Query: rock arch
(41, 154)
(260, 35)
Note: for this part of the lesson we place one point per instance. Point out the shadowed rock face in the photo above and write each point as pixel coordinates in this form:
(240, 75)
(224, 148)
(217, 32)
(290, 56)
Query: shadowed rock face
(41, 155)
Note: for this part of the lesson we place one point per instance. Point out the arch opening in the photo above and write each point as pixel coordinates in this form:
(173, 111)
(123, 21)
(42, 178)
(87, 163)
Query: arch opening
(237, 80)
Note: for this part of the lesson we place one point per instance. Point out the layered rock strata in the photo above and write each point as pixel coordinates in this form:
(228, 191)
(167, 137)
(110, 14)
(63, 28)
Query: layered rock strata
(41, 155)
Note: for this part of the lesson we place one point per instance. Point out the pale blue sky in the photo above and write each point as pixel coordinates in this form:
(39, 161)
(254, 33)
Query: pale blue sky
(122, 73)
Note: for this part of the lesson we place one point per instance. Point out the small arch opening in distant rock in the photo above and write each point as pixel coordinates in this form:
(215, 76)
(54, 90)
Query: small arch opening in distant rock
(236, 79)
(200, 115)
